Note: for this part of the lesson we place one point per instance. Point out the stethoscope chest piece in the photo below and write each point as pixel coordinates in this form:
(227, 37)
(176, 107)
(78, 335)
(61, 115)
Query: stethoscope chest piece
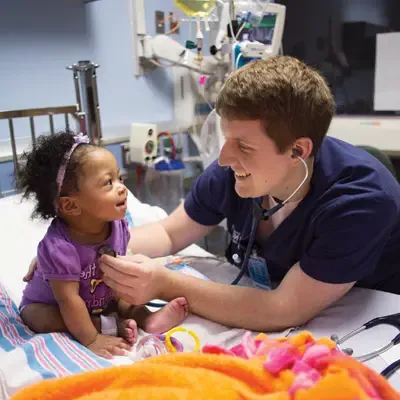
(106, 250)
(103, 250)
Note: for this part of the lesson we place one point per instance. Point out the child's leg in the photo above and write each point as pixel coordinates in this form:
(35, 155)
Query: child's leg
(162, 320)
(46, 318)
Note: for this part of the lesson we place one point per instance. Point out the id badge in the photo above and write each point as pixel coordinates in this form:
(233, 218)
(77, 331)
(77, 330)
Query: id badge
(258, 272)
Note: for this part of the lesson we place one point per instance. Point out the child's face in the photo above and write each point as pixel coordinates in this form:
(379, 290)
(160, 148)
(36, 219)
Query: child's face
(102, 194)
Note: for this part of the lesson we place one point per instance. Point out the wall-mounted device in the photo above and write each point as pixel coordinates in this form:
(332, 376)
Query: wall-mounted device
(262, 40)
(143, 143)
(160, 22)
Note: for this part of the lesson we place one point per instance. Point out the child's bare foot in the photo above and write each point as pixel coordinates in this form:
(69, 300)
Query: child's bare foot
(166, 318)
(127, 329)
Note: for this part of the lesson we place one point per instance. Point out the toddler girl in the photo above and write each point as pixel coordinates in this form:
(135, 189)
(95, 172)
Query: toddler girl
(78, 185)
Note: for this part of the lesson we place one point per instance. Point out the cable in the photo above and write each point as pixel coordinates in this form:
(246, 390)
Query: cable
(248, 251)
(169, 136)
(302, 182)
(175, 28)
(240, 29)
(199, 39)
(231, 28)
(205, 99)
(237, 60)
(202, 92)
(139, 173)
(161, 65)
(263, 5)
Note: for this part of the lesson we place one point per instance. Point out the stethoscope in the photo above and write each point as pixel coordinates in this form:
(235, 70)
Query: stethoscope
(259, 214)
(393, 320)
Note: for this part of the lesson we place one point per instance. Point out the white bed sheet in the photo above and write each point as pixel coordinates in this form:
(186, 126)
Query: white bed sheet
(19, 238)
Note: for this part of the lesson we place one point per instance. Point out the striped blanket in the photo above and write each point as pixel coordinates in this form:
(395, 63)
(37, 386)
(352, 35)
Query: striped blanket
(26, 358)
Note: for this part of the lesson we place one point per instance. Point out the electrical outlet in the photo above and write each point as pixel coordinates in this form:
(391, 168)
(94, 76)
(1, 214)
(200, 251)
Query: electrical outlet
(173, 23)
(160, 22)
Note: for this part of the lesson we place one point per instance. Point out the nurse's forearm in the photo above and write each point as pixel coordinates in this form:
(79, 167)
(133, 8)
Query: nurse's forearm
(235, 306)
(150, 240)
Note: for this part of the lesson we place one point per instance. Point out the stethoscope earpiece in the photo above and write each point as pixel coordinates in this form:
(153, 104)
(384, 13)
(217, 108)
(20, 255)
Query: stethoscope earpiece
(296, 153)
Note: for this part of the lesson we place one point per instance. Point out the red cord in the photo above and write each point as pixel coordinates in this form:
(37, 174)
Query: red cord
(169, 136)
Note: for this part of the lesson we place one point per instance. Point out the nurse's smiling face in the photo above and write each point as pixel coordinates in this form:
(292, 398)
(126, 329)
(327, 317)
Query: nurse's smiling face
(259, 168)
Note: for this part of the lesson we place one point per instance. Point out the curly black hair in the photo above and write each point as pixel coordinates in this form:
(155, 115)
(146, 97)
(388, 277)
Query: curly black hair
(37, 173)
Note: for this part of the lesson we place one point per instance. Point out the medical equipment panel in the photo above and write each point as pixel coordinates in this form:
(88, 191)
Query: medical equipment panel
(143, 143)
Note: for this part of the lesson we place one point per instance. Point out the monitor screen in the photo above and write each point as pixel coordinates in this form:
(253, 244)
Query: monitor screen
(264, 32)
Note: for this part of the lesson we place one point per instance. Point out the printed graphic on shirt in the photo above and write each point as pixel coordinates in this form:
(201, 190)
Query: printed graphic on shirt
(97, 306)
(94, 283)
(94, 292)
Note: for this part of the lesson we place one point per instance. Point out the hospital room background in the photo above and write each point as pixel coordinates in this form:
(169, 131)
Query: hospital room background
(350, 41)
(130, 74)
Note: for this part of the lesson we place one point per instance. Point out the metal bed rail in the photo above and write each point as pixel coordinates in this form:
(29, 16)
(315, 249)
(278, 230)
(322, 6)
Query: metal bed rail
(86, 111)
(37, 112)
(31, 113)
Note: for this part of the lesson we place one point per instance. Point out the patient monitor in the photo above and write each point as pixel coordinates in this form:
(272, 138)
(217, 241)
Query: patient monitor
(262, 38)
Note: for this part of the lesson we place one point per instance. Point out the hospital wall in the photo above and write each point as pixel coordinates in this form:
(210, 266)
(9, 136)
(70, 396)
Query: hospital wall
(39, 39)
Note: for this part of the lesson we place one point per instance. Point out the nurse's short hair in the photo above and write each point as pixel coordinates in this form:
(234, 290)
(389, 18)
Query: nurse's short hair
(293, 100)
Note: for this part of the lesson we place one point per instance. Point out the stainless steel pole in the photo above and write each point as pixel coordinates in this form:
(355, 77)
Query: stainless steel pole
(87, 97)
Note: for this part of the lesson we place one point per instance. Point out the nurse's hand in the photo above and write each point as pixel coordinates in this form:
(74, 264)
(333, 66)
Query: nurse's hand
(31, 270)
(136, 279)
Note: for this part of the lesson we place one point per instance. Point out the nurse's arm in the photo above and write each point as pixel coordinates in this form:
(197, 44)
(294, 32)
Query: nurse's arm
(167, 236)
(298, 299)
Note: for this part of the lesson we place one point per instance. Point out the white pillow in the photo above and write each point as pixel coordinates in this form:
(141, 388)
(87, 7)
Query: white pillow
(142, 213)
(19, 237)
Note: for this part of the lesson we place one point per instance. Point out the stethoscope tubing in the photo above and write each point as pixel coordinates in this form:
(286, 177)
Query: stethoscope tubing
(261, 214)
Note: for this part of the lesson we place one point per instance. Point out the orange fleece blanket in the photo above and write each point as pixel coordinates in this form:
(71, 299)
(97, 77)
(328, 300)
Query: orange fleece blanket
(299, 368)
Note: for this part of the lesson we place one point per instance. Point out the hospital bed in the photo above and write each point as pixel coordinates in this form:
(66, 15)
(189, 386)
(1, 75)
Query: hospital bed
(37, 357)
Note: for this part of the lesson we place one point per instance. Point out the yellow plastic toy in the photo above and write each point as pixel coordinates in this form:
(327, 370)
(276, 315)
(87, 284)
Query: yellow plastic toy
(171, 348)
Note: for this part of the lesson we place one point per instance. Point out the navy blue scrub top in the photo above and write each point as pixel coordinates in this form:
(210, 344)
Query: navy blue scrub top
(347, 228)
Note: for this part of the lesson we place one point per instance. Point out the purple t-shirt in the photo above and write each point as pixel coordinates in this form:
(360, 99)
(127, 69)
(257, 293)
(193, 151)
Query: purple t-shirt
(59, 258)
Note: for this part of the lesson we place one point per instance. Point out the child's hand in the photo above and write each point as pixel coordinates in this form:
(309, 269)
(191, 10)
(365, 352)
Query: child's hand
(109, 346)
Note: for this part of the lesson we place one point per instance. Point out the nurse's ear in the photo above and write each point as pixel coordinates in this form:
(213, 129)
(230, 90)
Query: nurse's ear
(302, 148)
(296, 153)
